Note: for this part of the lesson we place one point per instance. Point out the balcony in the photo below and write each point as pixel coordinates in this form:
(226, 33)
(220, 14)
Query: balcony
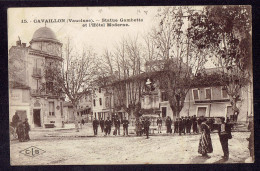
(36, 92)
(39, 93)
(37, 73)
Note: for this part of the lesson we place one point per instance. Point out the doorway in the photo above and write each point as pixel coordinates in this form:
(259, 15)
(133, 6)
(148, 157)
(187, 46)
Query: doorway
(37, 117)
(164, 112)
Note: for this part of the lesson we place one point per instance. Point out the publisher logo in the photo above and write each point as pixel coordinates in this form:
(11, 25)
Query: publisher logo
(32, 151)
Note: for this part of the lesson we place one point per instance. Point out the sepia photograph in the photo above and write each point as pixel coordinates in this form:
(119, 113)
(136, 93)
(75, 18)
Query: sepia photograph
(130, 85)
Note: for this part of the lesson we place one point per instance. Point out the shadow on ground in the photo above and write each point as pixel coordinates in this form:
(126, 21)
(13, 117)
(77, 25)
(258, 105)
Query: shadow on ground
(199, 159)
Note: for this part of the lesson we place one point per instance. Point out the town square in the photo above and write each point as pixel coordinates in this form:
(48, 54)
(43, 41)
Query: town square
(154, 85)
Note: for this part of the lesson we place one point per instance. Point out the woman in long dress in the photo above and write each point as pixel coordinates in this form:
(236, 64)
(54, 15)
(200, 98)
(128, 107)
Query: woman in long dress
(205, 144)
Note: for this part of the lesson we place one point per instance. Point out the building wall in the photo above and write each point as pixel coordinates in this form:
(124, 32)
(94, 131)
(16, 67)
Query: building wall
(31, 103)
(19, 101)
(216, 109)
(97, 95)
(43, 105)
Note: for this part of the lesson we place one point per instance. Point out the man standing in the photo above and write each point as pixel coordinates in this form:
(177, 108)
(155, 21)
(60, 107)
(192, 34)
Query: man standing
(125, 126)
(108, 124)
(224, 134)
(95, 126)
(180, 126)
(184, 125)
(117, 126)
(168, 124)
(102, 123)
(176, 125)
(146, 127)
(26, 130)
(82, 121)
(159, 124)
(20, 130)
(194, 125)
(188, 124)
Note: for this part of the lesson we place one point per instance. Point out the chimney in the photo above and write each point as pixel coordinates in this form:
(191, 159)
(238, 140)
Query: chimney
(18, 43)
(23, 45)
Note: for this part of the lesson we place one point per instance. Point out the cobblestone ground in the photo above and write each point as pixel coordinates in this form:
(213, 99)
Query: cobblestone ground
(70, 147)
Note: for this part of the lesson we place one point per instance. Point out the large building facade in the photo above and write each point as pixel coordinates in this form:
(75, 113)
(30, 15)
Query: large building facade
(27, 65)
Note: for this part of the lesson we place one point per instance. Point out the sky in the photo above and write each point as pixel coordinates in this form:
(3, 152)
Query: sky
(99, 38)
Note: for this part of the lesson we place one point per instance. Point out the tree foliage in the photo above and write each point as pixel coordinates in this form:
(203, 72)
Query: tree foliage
(225, 32)
(74, 75)
(180, 58)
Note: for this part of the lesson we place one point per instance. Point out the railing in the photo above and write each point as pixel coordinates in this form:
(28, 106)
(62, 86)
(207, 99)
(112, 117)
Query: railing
(37, 92)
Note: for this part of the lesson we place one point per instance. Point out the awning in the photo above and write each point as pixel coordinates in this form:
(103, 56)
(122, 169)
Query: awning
(150, 115)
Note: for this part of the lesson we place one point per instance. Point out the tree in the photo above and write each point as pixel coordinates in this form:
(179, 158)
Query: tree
(181, 60)
(73, 76)
(225, 32)
(121, 66)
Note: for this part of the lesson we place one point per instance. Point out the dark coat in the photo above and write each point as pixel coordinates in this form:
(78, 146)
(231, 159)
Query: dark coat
(102, 123)
(125, 123)
(26, 126)
(184, 122)
(95, 123)
(168, 122)
(180, 123)
(188, 122)
(108, 123)
(146, 124)
(117, 123)
(176, 124)
(227, 132)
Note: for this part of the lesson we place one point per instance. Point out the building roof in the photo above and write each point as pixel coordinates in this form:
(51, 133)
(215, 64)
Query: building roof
(44, 34)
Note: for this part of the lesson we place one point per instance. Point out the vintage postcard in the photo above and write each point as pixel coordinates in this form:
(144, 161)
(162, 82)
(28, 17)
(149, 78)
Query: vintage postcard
(130, 85)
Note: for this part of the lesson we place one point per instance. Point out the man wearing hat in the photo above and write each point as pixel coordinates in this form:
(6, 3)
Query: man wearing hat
(146, 127)
(108, 124)
(95, 126)
(26, 130)
(159, 124)
(169, 124)
(125, 126)
(176, 125)
(20, 131)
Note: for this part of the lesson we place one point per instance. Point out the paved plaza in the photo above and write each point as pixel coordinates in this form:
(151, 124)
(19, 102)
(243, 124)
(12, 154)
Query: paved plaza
(66, 146)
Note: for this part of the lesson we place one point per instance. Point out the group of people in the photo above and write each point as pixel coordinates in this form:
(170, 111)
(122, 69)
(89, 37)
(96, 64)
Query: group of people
(182, 125)
(106, 126)
(22, 128)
